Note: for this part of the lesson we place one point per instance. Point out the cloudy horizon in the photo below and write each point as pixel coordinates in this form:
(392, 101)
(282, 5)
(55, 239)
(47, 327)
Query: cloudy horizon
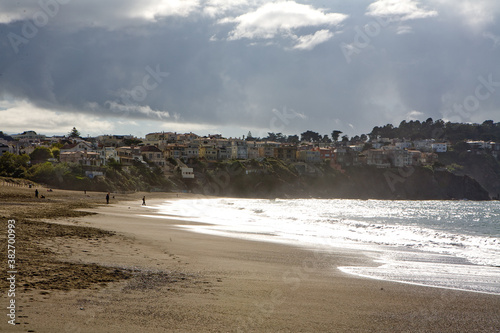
(230, 67)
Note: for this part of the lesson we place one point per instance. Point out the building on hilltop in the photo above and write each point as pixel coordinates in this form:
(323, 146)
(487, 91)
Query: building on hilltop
(153, 154)
(286, 153)
(107, 153)
(309, 156)
(113, 140)
(81, 157)
(78, 146)
(208, 152)
(129, 155)
(439, 147)
(378, 158)
(28, 136)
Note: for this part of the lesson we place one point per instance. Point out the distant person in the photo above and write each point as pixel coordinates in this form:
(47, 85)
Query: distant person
(144, 200)
(36, 193)
(107, 198)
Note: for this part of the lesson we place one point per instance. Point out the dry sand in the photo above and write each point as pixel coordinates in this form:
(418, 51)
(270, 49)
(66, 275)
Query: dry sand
(144, 274)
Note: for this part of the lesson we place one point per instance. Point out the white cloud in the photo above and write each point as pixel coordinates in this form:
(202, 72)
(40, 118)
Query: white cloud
(404, 29)
(414, 115)
(494, 38)
(476, 14)
(110, 13)
(308, 42)
(19, 116)
(402, 10)
(280, 18)
(135, 110)
(215, 8)
(153, 9)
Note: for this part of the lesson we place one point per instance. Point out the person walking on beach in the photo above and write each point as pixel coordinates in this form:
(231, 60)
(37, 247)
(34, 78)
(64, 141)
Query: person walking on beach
(144, 200)
(36, 193)
(107, 198)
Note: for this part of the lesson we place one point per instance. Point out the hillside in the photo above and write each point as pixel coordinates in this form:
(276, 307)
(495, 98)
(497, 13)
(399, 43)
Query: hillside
(485, 169)
(273, 178)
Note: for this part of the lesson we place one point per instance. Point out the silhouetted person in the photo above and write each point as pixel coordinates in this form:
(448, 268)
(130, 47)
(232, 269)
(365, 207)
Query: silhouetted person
(36, 193)
(144, 200)
(107, 198)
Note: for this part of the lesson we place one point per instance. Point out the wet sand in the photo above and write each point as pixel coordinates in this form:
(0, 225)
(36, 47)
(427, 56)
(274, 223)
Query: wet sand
(170, 279)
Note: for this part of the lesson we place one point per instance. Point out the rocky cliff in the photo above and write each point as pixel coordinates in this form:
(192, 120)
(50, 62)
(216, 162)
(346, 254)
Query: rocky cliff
(273, 178)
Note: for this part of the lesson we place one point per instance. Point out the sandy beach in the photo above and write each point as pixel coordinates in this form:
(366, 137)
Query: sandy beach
(118, 271)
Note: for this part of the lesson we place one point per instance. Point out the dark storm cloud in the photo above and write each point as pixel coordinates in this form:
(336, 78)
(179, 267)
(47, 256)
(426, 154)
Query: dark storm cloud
(217, 62)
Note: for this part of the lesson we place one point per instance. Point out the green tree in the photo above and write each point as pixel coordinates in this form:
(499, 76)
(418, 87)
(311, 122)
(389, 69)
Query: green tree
(293, 138)
(43, 173)
(115, 165)
(271, 136)
(74, 133)
(310, 136)
(336, 135)
(132, 142)
(56, 152)
(57, 145)
(12, 165)
(40, 155)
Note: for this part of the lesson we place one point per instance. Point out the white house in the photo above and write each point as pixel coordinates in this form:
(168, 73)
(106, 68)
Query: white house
(239, 150)
(423, 145)
(79, 146)
(439, 147)
(403, 145)
(108, 152)
(187, 173)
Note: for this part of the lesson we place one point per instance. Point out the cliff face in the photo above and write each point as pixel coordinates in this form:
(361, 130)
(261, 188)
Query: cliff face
(276, 179)
(483, 168)
(407, 184)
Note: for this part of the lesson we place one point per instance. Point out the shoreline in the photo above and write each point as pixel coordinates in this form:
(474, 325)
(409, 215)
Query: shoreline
(186, 281)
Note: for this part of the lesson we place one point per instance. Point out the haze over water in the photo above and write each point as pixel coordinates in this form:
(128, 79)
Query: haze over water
(448, 244)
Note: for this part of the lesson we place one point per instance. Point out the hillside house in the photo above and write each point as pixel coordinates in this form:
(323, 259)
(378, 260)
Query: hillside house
(174, 151)
(439, 147)
(308, 156)
(224, 153)
(209, 153)
(77, 146)
(81, 157)
(286, 153)
(378, 158)
(153, 154)
(129, 155)
(106, 153)
(253, 152)
(28, 136)
(187, 173)
(239, 150)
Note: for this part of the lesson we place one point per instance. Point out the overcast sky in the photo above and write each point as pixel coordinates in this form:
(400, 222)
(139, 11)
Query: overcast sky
(233, 66)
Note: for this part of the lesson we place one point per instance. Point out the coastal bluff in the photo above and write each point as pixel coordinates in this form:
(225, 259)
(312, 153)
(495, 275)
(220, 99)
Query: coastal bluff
(281, 180)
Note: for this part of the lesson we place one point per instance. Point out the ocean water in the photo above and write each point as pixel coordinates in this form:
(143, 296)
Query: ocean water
(447, 244)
